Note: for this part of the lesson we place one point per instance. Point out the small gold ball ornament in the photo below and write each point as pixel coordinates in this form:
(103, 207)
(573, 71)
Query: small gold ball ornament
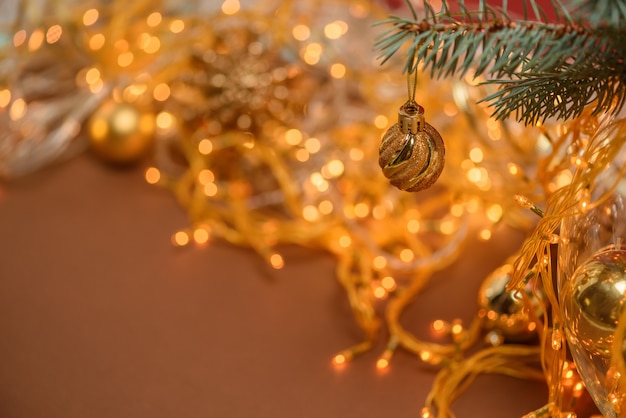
(509, 314)
(412, 152)
(120, 132)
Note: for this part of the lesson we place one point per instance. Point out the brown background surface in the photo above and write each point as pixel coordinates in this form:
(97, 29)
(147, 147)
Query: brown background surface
(100, 316)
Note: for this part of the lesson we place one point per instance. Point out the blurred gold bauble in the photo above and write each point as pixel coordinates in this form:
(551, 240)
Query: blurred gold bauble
(508, 313)
(121, 133)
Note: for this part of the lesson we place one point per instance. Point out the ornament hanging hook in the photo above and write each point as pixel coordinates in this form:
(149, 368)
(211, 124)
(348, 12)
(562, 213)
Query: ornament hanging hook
(411, 78)
(411, 114)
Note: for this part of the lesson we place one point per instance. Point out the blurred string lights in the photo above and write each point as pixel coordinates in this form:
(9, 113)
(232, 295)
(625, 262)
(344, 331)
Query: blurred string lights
(265, 121)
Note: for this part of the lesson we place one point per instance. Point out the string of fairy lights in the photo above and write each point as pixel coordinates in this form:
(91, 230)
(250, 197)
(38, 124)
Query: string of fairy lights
(265, 121)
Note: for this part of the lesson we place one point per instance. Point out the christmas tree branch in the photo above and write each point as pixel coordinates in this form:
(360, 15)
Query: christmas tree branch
(544, 69)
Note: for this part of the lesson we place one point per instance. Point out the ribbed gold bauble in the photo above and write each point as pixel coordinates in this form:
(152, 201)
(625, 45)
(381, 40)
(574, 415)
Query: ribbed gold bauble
(120, 132)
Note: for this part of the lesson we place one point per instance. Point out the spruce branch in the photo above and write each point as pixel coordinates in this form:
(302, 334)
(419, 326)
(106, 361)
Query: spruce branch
(542, 68)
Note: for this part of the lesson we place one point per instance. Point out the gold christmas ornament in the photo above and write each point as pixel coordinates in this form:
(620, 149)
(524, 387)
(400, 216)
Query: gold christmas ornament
(412, 151)
(593, 301)
(595, 298)
(121, 133)
(509, 314)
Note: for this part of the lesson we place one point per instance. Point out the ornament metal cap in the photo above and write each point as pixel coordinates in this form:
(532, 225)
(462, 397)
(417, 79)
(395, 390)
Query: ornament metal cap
(411, 117)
